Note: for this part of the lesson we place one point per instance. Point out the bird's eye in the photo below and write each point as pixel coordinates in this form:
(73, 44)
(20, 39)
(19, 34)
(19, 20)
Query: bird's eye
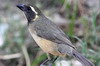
(28, 8)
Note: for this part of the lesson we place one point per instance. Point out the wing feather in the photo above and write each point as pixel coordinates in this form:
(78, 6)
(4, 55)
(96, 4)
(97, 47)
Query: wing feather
(52, 32)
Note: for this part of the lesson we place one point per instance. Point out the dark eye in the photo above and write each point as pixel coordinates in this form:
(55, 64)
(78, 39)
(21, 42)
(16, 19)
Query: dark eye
(28, 8)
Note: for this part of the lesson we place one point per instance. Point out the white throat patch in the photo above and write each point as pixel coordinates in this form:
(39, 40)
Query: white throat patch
(33, 10)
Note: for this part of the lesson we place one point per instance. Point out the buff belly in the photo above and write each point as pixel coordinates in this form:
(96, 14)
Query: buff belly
(46, 45)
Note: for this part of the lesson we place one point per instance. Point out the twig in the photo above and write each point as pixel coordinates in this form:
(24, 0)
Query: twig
(64, 5)
(28, 63)
(11, 56)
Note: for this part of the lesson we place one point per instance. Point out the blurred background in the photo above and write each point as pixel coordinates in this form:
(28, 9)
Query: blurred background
(79, 19)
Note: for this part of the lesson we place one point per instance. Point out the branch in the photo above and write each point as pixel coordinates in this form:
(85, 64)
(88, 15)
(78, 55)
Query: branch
(11, 56)
(28, 63)
(64, 5)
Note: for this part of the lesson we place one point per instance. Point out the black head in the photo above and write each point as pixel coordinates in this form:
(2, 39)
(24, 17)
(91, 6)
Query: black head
(31, 12)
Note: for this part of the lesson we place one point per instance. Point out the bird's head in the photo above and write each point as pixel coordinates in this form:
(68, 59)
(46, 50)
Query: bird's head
(31, 12)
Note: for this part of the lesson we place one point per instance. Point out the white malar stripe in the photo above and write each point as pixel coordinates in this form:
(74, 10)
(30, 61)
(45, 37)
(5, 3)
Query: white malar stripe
(33, 9)
(35, 17)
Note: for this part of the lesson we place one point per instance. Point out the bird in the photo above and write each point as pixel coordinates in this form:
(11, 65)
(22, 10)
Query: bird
(50, 37)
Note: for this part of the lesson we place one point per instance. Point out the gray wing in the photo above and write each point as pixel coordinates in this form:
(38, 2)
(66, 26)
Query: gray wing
(52, 32)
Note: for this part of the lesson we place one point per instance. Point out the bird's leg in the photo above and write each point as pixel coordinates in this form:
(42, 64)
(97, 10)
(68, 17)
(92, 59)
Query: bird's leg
(48, 55)
(44, 63)
(54, 59)
(47, 60)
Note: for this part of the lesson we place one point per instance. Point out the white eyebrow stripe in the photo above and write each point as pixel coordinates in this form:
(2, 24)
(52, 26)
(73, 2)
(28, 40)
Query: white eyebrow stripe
(33, 9)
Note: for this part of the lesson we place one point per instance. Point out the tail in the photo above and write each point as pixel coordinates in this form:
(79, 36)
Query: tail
(82, 59)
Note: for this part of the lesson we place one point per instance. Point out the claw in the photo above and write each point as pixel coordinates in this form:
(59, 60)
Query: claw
(50, 64)
(46, 65)
(42, 65)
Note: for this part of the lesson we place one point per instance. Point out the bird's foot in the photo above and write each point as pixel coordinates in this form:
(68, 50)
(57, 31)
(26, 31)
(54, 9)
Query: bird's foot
(42, 65)
(47, 64)
(50, 64)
